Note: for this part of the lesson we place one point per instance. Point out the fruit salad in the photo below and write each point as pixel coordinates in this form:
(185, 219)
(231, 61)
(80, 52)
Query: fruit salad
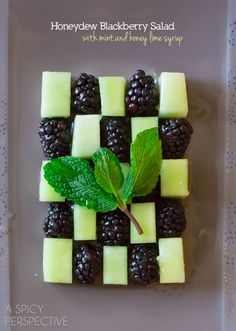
(114, 175)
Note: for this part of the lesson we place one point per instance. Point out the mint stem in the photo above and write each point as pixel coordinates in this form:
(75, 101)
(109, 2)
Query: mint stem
(132, 219)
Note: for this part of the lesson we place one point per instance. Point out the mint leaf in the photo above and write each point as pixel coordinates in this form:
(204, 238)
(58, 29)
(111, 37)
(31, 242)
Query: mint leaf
(73, 178)
(128, 186)
(108, 172)
(146, 159)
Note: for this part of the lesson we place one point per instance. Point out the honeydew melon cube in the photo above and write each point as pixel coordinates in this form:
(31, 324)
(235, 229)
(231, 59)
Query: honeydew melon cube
(56, 92)
(84, 223)
(174, 178)
(139, 124)
(57, 260)
(86, 135)
(145, 214)
(112, 92)
(115, 265)
(173, 95)
(47, 192)
(171, 260)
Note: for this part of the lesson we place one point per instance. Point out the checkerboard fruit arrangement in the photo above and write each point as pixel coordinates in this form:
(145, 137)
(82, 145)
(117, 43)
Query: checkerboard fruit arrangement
(114, 176)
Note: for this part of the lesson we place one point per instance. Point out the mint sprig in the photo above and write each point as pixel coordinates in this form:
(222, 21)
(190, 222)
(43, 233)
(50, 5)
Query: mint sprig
(100, 189)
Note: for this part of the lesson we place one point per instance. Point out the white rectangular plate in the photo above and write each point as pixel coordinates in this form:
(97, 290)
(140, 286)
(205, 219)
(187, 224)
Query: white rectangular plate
(207, 301)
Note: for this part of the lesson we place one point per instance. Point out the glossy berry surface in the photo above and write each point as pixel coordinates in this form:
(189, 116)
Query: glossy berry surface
(58, 223)
(175, 135)
(143, 268)
(86, 95)
(55, 137)
(115, 135)
(142, 96)
(171, 220)
(87, 263)
(113, 228)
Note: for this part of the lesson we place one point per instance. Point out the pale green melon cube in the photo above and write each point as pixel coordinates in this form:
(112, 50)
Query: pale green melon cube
(173, 95)
(57, 260)
(84, 223)
(112, 92)
(115, 265)
(171, 260)
(46, 191)
(56, 92)
(86, 135)
(174, 178)
(139, 124)
(145, 214)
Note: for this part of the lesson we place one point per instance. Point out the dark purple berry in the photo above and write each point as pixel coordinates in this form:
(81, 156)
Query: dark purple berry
(175, 135)
(143, 268)
(113, 228)
(142, 96)
(55, 137)
(115, 135)
(87, 263)
(58, 223)
(171, 220)
(85, 95)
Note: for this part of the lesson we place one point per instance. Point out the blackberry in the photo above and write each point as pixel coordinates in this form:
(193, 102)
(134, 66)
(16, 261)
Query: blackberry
(58, 223)
(55, 137)
(86, 95)
(115, 135)
(175, 135)
(171, 220)
(113, 228)
(141, 97)
(87, 263)
(143, 268)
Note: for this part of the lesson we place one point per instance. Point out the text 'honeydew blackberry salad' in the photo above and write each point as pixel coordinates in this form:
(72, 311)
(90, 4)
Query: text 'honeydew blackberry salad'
(114, 175)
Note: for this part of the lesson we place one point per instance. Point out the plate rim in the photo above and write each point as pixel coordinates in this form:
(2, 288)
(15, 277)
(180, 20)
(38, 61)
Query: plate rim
(229, 246)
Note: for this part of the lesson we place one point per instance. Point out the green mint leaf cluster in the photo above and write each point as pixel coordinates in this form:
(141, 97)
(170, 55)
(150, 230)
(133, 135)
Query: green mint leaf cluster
(103, 189)
(146, 160)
